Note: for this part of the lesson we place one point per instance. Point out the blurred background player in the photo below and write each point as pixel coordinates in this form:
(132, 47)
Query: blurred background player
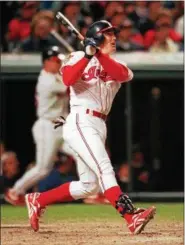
(51, 102)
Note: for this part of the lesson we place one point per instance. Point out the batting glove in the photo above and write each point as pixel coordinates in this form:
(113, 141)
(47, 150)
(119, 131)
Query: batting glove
(90, 47)
(59, 121)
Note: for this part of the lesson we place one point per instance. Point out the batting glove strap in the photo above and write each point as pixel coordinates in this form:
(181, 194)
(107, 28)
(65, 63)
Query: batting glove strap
(124, 204)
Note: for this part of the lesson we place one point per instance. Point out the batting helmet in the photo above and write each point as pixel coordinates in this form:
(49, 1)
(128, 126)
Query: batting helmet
(97, 29)
(53, 51)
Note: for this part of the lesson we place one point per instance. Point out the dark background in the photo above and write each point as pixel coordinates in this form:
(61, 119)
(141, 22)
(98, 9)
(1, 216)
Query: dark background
(170, 117)
(165, 119)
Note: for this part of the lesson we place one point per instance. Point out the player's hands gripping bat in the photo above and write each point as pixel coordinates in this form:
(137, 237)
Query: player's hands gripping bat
(64, 21)
(59, 121)
(90, 44)
(90, 47)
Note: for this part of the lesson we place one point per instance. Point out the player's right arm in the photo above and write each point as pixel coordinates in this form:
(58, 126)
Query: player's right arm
(73, 68)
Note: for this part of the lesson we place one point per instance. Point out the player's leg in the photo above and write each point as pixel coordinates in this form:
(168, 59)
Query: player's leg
(66, 149)
(87, 185)
(88, 182)
(47, 144)
(89, 143)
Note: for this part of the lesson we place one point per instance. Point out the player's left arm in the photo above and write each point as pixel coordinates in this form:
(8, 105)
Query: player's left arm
(119, 72)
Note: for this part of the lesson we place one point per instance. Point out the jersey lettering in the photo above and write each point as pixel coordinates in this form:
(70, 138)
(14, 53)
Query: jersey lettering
(95, 72)
(90, 74)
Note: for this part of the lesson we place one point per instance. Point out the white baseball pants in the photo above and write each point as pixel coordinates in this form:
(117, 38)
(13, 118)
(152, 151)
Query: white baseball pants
(86, 135)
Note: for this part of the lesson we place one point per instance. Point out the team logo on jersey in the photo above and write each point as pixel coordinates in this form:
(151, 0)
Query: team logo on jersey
(95, 72)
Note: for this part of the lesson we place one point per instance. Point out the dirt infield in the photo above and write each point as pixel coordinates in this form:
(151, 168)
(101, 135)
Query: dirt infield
(92, 233)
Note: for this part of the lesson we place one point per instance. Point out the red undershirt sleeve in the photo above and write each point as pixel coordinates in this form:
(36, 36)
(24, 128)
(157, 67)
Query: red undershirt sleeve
(114, 69)
(72, 73)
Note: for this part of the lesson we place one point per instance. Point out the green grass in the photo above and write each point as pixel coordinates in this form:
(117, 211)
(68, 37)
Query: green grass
(82, 212)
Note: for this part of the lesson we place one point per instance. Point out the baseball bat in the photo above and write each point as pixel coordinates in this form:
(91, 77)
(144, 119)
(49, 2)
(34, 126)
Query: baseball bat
(64, 21)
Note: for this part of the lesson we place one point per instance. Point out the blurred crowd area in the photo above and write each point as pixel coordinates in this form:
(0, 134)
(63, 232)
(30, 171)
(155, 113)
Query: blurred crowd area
(153, 26)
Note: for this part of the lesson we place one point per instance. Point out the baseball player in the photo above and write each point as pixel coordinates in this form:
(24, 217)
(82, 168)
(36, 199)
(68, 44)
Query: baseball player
(94, 79)
(52, 101)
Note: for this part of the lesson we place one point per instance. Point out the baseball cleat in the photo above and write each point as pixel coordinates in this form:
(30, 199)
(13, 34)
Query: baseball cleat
(140, 218)
(11, 197)
(34, 209)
